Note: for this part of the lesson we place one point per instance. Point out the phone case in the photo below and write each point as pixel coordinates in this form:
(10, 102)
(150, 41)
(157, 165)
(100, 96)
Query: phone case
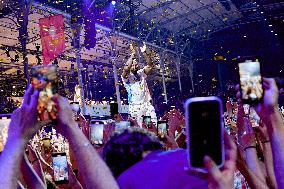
(202, 99)
(45, 79)
(245, 72)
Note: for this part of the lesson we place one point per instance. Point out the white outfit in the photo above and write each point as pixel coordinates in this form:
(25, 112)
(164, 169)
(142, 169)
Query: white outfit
(77, 95)
(139, 97)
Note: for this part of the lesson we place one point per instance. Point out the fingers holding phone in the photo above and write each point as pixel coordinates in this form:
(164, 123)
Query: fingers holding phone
(222, 178)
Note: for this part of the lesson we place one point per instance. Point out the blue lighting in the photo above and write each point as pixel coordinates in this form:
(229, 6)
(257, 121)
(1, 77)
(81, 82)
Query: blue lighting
(113, 3)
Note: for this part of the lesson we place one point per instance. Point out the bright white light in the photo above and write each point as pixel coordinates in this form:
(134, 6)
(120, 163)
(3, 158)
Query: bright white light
(271, 31)
(270, 25)
(245, 36)
(113, 3)
(276, 34)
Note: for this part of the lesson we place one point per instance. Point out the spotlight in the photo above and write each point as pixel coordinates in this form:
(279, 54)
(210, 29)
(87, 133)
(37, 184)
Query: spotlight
(113, 3)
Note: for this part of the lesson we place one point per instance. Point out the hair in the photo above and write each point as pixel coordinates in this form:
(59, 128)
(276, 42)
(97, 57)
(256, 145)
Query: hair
(126, 149)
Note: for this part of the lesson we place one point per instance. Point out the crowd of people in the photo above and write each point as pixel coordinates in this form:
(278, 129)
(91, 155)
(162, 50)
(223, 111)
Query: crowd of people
(137, 157)
(60, 153)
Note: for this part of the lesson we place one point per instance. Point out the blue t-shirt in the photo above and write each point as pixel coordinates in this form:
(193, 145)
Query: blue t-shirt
(161, 170)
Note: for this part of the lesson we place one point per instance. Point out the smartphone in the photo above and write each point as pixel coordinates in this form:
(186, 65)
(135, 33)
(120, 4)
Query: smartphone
(162, 129)
(250, 82)
(205, 131)
(75, 107)
(147, 121)
(45, 79)
(113, 109)
(122, 125)
(60, 167)
(4, 126)
(96, 132)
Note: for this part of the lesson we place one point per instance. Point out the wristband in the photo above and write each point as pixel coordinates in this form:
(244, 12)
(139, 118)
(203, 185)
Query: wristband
(249, 147)
(266, 141)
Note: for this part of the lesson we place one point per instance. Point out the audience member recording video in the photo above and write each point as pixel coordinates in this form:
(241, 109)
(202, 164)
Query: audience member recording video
(136, 157)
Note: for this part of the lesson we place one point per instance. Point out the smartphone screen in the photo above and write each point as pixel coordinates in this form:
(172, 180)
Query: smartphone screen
(250, 82)
(122, 125)
(44, 78)
(60, 167)
(147, 120)
(75, 107)
(162, 128)
(4, 126)
(204, 130)
(96, 132)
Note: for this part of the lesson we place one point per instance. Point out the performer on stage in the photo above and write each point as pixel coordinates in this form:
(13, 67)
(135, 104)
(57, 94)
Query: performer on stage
(134, 80)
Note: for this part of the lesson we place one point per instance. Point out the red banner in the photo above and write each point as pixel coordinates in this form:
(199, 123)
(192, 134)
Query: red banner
(52, 37)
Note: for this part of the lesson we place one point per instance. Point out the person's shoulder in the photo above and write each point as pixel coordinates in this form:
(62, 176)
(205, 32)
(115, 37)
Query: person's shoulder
(157, 166)
(177, 153)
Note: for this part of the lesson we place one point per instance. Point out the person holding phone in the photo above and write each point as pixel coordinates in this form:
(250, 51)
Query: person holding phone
(92, 170)
(134, 80)
(24, 124)
(269, 113)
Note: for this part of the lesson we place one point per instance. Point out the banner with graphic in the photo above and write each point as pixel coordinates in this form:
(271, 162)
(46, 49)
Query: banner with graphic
(52, 37)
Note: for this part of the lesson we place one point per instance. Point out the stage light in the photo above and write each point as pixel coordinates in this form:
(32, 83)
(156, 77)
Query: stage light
(113, 3)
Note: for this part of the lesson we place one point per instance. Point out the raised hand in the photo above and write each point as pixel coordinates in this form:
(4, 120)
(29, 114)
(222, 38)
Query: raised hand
(24, 123)
(175, 121)
(170, 142)
(143, 48)
(65, 116)
(132, 49)
(270, 98)
(222, 178)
